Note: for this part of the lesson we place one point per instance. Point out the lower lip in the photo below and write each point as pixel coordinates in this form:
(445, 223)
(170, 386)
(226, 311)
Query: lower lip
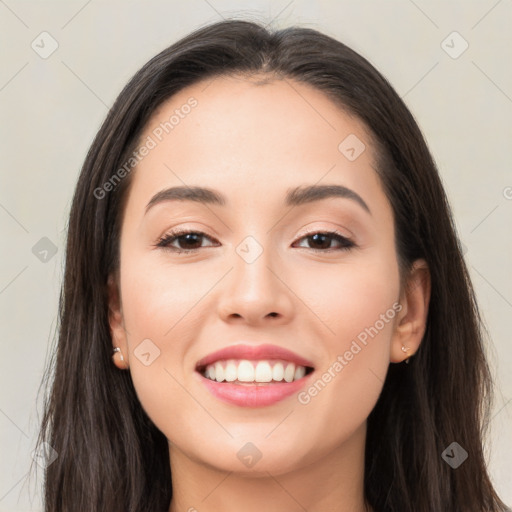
(253, 395)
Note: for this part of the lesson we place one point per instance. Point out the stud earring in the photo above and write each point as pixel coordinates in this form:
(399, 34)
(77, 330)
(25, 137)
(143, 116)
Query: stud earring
(406, 349)
(117, 349)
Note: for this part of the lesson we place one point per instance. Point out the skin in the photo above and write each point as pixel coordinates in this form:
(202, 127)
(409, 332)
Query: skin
(252, 143)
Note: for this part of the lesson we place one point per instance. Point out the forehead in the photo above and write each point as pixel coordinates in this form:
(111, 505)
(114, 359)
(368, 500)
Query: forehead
(239, 134)
(242, 114)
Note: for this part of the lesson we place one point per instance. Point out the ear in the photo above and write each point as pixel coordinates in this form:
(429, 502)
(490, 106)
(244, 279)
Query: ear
(412, 319)
(116, 322)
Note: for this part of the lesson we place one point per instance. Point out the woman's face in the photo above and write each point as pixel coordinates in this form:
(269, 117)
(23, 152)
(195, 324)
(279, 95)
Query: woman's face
(257, 275)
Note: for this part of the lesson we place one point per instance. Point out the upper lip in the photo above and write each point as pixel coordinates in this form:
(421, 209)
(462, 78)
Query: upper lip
(253, 352)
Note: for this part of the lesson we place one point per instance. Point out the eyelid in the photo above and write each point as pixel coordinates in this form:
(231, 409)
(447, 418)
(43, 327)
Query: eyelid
(174, 234)
(336, 235)
(347, 242)
(311, 231)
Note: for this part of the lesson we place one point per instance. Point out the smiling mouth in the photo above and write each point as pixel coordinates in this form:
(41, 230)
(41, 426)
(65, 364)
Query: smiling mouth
(247, 372)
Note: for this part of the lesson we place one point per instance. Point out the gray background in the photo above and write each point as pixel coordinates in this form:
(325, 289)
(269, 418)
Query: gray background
(51, 108)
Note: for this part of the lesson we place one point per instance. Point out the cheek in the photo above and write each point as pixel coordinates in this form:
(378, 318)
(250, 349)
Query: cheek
(159, 300)
(360, 308)
(350, 297)
(365, 309)
(158, 309)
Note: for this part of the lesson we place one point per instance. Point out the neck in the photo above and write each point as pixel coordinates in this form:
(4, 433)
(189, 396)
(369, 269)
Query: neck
(334, 481)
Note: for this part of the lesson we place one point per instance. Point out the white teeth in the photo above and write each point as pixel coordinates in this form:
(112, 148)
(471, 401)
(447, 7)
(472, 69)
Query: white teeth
(263, 372)
(300, 371)
(231, 371)
(278, 372)
(289, 372)
(219, 372)
(245, 371)
(254, 371)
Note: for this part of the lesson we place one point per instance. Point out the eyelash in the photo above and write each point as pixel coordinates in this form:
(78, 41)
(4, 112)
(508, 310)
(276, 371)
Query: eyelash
(165, 241)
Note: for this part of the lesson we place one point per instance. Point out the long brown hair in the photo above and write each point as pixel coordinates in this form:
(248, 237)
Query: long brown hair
(110, 456)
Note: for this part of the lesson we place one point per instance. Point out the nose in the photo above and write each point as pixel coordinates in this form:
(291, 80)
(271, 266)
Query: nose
(256, 292)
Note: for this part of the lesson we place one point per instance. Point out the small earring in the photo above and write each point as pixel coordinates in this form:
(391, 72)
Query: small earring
(406, 349)
(117, 349)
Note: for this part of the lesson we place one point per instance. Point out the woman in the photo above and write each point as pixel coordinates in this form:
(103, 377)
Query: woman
(265, 305)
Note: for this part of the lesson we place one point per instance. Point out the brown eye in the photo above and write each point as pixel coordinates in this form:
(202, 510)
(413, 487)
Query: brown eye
(188, 241)
(321, 241)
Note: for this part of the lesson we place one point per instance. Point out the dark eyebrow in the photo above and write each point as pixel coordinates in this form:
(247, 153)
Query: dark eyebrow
(294, 197)
(197, 194)
(302, 195)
